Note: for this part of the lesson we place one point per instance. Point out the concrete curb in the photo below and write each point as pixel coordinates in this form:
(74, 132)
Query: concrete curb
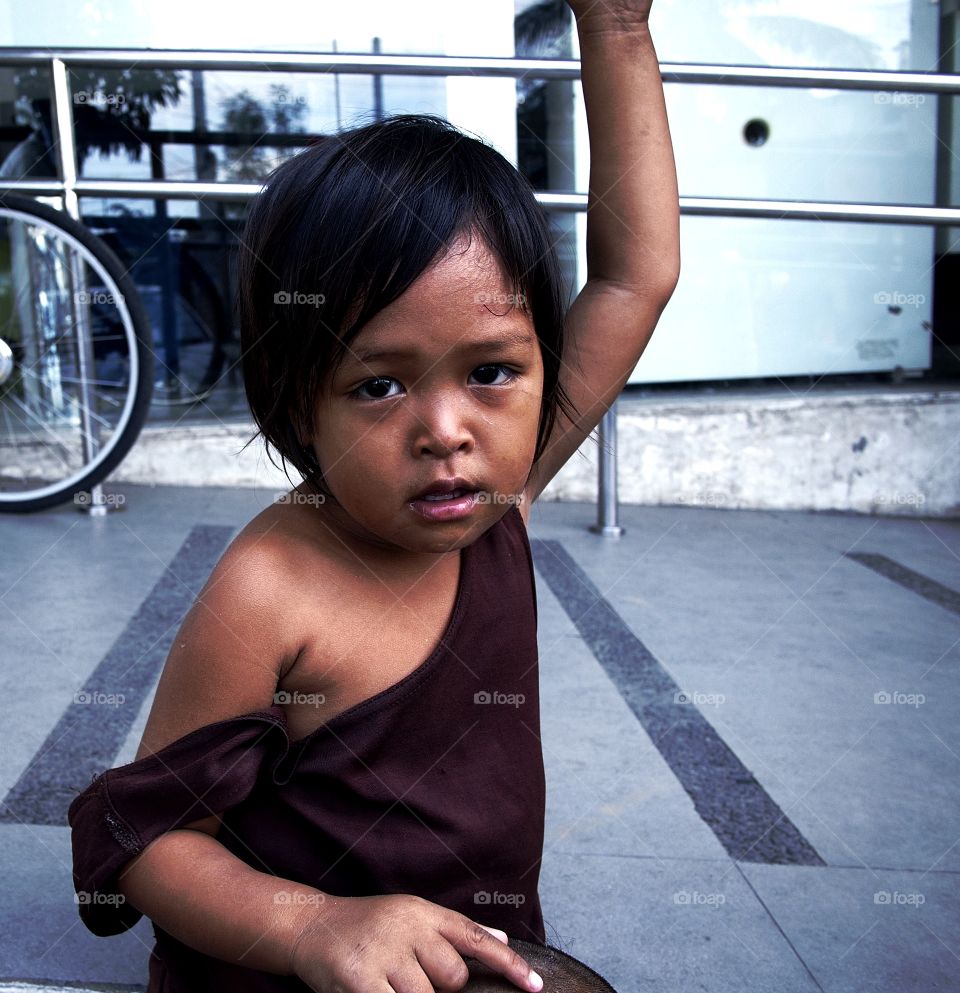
(883, 450)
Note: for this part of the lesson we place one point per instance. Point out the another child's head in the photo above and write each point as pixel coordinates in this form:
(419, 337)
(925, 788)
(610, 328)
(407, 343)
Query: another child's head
(561, 973)
(404, 234)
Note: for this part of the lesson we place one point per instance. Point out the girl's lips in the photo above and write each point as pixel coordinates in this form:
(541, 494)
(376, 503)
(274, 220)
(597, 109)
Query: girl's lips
(451, 509)
(460, 491)
(445, 486)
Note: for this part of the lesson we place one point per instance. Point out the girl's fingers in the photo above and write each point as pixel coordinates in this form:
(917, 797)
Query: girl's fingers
(461, 932)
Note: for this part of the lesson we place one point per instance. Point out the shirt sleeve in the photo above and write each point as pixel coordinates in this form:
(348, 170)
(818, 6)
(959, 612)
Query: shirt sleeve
(205, 772)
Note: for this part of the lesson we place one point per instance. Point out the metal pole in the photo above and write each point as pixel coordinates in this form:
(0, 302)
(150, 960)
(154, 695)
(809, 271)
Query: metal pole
(501, 66)
(377, 87)
(63, 128)
(607, 478)
(336, 89)
(781, 210)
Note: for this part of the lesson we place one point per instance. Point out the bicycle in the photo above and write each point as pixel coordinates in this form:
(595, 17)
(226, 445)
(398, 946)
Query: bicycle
(76, 358)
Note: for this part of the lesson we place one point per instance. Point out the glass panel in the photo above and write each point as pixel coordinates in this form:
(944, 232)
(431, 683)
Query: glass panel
(797, 144)
(184, 270)
(232, 126)
(855, 34)
(25, 124)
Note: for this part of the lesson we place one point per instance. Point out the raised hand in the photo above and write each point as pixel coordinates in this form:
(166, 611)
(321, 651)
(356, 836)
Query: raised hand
(610, 14)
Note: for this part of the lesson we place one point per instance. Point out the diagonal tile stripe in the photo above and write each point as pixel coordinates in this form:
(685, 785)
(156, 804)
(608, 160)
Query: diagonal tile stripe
(745, 819)
(88, 736)
(916, 582)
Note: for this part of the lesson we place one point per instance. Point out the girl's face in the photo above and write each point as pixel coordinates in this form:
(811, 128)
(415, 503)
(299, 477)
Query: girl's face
(454, 391)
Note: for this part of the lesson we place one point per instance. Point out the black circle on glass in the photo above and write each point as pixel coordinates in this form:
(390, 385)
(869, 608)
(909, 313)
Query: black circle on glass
(756, 132)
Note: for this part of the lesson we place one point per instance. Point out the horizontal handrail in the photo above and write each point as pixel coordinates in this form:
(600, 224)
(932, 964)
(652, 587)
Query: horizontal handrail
(803, 210)
(457, 65)
(703, 206)
(64, 58)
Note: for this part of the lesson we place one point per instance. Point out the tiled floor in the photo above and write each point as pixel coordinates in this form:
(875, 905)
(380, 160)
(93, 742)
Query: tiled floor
(743, 662)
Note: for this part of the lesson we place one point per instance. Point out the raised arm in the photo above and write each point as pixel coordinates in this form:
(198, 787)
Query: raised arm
(633, 220)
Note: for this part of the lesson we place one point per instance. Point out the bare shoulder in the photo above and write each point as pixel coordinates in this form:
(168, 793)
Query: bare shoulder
(233, 644)
(241, 635)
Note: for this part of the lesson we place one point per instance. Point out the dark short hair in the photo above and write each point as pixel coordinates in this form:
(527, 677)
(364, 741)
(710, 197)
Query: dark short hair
(343, 228)
(560, 972)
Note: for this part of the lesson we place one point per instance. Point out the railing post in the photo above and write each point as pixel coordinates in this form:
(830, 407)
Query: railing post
(66, 145)
(607, 471)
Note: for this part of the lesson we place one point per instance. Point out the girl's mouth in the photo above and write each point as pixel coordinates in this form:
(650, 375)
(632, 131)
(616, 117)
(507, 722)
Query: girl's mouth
(446, 496)
(446, 506)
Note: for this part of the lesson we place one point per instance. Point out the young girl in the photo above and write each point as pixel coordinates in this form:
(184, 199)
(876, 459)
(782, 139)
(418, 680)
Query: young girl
(340, 784)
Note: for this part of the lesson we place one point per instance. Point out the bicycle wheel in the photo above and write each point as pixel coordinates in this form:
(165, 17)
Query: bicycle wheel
(76, 367)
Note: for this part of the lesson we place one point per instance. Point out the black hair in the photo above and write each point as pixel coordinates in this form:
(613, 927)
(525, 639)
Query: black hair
(343, 228)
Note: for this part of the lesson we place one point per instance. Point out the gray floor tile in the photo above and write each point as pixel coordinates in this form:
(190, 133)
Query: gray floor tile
(660, 927)
(44, 939)
(868, 931)
(760, 608)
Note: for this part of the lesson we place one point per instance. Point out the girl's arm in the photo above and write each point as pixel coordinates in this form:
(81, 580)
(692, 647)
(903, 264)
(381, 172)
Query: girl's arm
(192, 887)
(195, 889)
(633, 220)
(226, 660)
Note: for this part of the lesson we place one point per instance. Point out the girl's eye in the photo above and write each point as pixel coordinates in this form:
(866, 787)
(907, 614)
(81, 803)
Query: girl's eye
(510, 374)
(383, 382)
(376, 384)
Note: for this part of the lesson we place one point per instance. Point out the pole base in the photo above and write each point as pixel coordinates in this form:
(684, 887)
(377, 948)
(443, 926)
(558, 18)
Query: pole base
(607, 530)
(96, 503)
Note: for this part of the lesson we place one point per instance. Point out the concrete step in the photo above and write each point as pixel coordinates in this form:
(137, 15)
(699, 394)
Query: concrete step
(878, 449)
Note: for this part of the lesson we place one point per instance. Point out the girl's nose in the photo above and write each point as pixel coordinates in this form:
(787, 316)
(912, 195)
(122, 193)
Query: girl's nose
(441, 429)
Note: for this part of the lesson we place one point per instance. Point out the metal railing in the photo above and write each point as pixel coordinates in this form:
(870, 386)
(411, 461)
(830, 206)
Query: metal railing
(70, 187)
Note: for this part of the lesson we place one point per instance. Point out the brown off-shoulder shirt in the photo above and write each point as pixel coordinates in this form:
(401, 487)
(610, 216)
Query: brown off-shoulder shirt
(434, 786)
